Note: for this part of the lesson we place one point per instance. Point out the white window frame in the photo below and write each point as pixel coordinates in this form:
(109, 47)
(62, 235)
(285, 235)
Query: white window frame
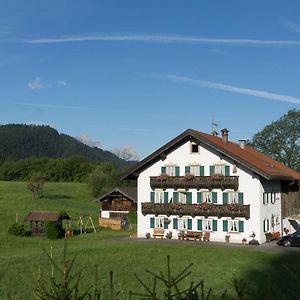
(170, 170)
(158, 196)
(207, 225)
(195, 169)
(182, 197)
(233, 197)
(266, 225)
(220, 169)
(159, 222)
(207, 196)
(233, 225)
(182, 223)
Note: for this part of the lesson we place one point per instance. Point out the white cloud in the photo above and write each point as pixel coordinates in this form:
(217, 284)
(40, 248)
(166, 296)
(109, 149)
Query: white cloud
(293, 26)
(87, 140)
(55, 106)
(165, 39)
(232, 89)
(61, 82)
(36, 84)
(126, 152)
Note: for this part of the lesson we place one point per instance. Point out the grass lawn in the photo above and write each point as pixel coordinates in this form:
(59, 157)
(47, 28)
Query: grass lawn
(20, 258)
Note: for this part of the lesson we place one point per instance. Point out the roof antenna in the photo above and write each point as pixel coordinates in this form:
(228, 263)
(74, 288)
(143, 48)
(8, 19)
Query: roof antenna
(214, 126)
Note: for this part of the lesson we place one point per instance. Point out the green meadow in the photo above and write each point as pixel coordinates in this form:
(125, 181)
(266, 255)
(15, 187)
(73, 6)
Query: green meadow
(22, 258)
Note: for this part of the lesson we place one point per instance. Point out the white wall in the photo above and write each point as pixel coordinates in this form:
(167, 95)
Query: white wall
(249, 184)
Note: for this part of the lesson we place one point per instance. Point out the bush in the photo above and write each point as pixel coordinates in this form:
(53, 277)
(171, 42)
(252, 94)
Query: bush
(54, 231)
(17, 229)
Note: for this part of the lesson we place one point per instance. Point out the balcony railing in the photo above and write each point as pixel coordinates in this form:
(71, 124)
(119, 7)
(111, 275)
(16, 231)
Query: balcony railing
(201, 209)
(195, 182)
(120, 207)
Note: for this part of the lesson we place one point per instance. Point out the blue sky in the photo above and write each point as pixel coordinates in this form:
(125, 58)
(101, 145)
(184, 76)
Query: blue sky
(141, 72)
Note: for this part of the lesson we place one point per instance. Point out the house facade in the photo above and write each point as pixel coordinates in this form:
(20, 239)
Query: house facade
(205, 183)
(115, 207)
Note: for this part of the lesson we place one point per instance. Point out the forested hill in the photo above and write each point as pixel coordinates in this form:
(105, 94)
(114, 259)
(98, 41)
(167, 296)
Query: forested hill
(18, 141)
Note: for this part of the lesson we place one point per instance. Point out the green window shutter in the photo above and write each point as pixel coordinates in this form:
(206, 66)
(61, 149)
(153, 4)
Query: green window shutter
(175, 197)
(225, 198)
(241, 226)
(166, 197)
(151, 222)
(225, 225)
(152, 197)
(175, 223)
(211, 170)
(214, 197)
(189, 198)
(163, 170)
(199, 197)
(177, 171)
(187, 169)
(227, 171)
(166, 226)
(241, 198)
(201, 170)
(215, 225)
(199, 223)
(190, 224)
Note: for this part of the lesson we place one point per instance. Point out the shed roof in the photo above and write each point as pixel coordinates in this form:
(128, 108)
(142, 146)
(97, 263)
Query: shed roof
(248, 157)
(50, 216)
(129, 192)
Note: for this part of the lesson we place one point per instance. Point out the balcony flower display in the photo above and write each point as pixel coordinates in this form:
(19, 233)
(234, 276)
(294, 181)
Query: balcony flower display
(204, 206)
(176, 206)
(162, 177)
(234, 207)
(189, 176)
(217, 176)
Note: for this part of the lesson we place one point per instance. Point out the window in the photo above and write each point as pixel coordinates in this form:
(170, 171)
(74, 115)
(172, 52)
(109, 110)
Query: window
(233, 197)
(159, 222)
(266, 224)
(207, 224)
(194, 148)
(182, 198)
(270, 197)
(219, 169)
(195, 170)
(207, 197)
(233, 226)
(159, 197)
(170, 170)
(182, 223)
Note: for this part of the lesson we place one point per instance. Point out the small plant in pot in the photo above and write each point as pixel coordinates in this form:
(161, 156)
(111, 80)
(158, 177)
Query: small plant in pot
(244, 241)
(148, 235)
(253, 241)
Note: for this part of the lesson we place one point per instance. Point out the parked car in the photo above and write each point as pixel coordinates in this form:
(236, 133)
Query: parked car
(290, 240)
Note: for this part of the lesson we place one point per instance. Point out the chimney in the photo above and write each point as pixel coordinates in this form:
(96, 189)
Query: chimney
(242, 144)
(214, 133)
(225, 135)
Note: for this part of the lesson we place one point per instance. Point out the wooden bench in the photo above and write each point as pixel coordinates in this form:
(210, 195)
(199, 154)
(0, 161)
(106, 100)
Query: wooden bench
(158, 232)
(195, 235)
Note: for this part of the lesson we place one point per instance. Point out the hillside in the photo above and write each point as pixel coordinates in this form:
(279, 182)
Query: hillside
(18, 141)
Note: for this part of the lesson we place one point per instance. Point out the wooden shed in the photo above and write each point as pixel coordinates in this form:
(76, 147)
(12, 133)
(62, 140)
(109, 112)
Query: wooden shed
(38, 220)
(115, 207)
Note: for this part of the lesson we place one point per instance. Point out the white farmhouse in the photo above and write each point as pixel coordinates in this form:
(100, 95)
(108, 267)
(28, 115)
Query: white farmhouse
(201, 183)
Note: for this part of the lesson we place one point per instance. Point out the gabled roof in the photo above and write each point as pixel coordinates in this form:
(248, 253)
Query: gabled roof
(129, 192)
(48, 216)
(248, 157)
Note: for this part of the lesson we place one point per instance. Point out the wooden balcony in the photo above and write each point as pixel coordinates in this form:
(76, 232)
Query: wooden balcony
(128, 206)
(202, 209)
(195, 182)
